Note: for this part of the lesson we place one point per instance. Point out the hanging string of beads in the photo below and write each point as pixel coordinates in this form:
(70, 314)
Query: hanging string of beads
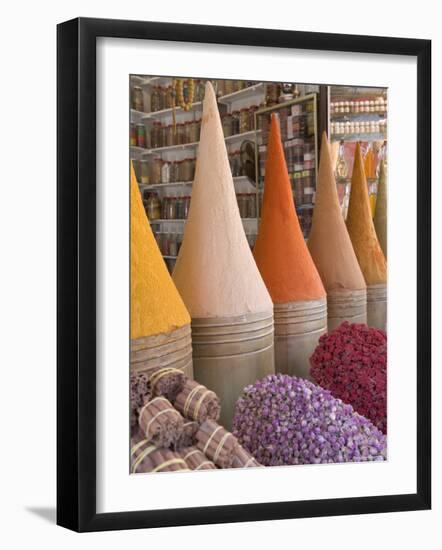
(183, 93)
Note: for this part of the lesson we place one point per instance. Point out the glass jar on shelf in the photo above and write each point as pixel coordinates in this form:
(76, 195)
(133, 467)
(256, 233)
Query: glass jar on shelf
(165, 172)
(173, 248)
(242, 204)
(192, 168)
(235, 123)
(155, 172)
(193, 136)
(145, 171)
(187, 169)
(227, 124)
(173, 171)
(168, 135)
(133, 134)
(168, 103)
(162, 97)
(179, 133)
(141, 135)
(251, 205)
(155, 99)
(155, 137)
(187, 132)
(171, 208)
(137, 99)
(252, 111)
(243, 120)
(186, 206)
(153, 206)
(136, 163)
(228, 87)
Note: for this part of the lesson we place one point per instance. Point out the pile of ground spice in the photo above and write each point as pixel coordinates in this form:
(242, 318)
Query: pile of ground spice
(361, 228)
(156, 306)
(380, 217)
(280, 251)
(215, 272)
(329, 242)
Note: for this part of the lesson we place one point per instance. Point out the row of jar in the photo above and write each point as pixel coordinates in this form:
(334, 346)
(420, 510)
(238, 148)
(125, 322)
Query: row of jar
(299, 156)
(177, 207)
(169, 242)
(378, 105)
(167, 208)
(155, 170)
(359, 127)
(238, 122)
(165, 97)
(159, 135)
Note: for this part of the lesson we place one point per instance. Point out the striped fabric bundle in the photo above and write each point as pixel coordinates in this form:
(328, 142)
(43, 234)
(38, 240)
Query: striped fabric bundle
(197, 403)
(160, 423)
(145, 457)
(217, 443)
(196, 459)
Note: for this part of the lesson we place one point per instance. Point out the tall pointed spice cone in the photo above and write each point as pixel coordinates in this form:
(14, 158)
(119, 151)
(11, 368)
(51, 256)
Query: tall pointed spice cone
(160, 323)
(300, 306)
(332, 251)
(217, 277)
(370, 173)
(380, 217)
(366, 245)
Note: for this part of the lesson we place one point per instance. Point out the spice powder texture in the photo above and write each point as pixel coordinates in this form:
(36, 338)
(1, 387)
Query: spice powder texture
(215, 272)
(361, 228)
(156, 306)
(380, 217)
(329, 242)
(280, 251)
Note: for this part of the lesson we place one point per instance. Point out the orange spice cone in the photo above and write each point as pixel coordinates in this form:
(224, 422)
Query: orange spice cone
(300, 307)
(380, 218)
(366, 245)
(160, 322)
(217, 277)
(332, 251)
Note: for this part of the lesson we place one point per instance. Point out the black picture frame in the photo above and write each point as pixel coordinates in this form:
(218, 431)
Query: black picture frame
(76, 273)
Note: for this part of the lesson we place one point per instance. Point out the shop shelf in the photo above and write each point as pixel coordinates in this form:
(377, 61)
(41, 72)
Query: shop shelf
(165, 185)
(369, 136)
(138, 150)
(167, 221)
(245, 135)
(164, 113)
(174, 147)
(352, 116)
(237, 179)
(251, 91)
(136, 116)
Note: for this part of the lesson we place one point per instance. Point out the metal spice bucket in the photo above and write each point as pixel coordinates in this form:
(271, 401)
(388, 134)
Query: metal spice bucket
(230, 353)
(298, 326)
(377, 306)
(346, 305)
(172, 349)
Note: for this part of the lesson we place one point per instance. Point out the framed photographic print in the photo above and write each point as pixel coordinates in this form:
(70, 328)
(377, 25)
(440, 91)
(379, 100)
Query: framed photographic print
(243, 274)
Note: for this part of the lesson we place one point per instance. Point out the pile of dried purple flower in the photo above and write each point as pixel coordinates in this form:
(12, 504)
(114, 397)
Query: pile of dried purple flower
(287, 420)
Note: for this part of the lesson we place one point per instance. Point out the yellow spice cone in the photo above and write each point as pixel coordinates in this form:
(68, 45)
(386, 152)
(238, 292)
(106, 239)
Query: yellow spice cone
(361, 229)
(156, 306)
(380, 218)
